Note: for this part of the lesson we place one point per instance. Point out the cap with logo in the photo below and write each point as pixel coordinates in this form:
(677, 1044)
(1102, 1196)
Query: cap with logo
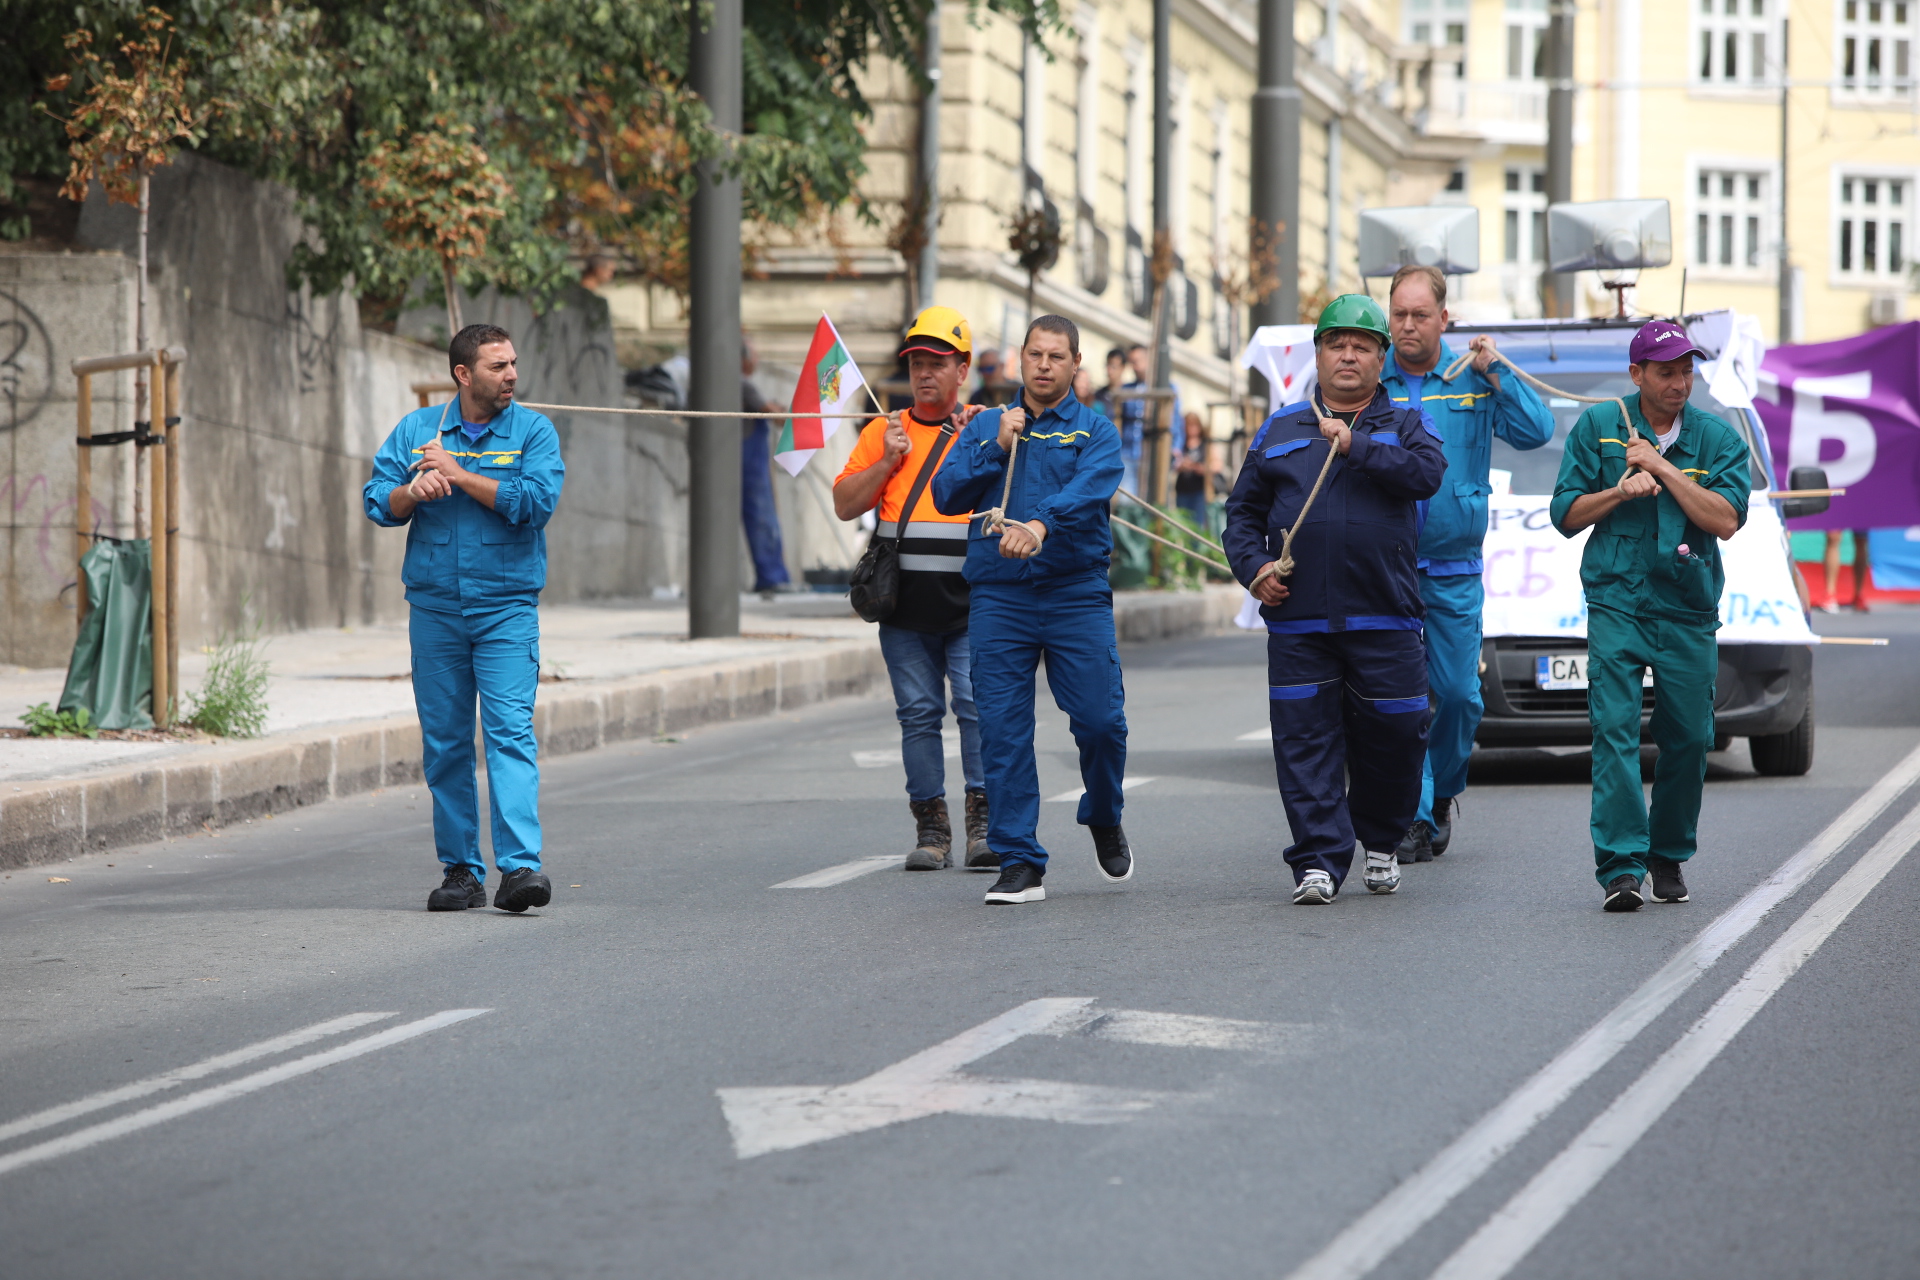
(1662, 340)
(941, 330)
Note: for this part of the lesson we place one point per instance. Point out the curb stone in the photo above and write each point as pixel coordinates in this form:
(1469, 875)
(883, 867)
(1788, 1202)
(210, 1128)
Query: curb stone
(62, 818)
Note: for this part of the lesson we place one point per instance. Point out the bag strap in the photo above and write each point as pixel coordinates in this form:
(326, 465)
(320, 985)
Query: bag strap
(927, 468)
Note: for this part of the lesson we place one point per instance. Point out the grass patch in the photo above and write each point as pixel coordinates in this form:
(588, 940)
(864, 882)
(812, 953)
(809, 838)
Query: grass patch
(232, 703)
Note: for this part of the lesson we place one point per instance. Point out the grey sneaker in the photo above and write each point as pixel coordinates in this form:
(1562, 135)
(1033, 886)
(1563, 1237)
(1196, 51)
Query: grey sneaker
(1383, 872)
(1314, 890)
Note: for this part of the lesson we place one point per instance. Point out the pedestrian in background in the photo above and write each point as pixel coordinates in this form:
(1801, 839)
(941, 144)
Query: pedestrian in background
(924, 640)
(475, 492)
(995, 387)
(1862, 571)
(1190, 472)
(1660, 498)
(758, 512)
(1464, 413)
(1346, 672)
(1127, 413)
(1039, 589)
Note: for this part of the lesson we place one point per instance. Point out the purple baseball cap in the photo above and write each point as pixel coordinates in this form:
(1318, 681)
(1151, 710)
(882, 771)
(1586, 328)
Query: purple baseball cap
(1662, 340)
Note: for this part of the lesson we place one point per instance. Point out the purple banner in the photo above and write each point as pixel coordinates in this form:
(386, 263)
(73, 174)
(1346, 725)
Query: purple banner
(1852, 407)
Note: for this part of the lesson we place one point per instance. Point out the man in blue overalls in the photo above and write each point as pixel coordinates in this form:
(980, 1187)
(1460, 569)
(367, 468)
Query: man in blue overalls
(476, 492)
(1465, 413)
(1037, 578)
(1346, 673)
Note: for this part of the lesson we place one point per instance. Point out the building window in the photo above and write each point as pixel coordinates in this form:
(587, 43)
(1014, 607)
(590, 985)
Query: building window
(1457, 180)
(1526, 39)
(1874, 47)
(1436, 22)
(1872, 220)
(1736, 42)
(1525, 213)
(1731, 219)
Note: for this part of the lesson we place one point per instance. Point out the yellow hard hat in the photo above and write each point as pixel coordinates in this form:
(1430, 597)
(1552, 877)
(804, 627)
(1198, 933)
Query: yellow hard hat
(939, 330)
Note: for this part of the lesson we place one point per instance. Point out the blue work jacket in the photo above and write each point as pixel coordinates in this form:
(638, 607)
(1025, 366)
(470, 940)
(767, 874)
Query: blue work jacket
(1466, 414)
(461, 557)
(1354, 555)
(1065, 476)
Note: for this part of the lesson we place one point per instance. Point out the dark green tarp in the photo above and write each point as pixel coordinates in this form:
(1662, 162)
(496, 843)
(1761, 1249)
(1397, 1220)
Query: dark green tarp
(111, 673)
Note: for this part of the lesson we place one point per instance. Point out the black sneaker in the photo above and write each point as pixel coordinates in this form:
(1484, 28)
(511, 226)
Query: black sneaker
(1018, 882)
(457, 892)
(522, 889)
(1416, 845)
(1442, 825)
(1111, 851)
(1665, 881)
(1623, 893)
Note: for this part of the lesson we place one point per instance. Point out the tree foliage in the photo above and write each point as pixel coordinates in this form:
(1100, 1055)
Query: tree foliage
(581, 107)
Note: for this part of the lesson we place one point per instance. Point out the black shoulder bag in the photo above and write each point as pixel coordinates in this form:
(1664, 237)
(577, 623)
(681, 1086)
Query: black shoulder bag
(873, 588)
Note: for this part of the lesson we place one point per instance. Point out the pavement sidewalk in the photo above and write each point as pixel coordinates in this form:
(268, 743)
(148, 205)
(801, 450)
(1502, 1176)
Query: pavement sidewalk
(341, 717)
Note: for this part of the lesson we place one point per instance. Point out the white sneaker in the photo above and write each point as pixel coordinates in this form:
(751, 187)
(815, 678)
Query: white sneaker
(1314, 890)
(1383, 872)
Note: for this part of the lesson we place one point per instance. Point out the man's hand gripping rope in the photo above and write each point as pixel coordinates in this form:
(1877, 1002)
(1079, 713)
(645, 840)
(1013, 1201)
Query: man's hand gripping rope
(1339, 439)
(1019, 539)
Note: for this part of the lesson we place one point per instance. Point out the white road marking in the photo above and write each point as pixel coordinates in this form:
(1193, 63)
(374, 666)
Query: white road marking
(1369, 1239)
(1512, 1232)
(949, 748)
(846, 871)
(1565, 751)
(93, 1135)
(1126, 784)
(931, 1082)
(1263, 734)
(180, 1075)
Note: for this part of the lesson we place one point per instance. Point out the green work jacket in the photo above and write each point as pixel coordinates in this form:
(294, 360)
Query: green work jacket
(1646, 558)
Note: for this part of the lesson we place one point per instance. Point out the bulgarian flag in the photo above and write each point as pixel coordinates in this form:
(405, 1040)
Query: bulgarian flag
(830, 382)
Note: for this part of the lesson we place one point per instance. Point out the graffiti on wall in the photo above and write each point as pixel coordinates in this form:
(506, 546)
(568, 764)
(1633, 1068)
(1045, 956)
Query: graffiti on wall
(26, 364)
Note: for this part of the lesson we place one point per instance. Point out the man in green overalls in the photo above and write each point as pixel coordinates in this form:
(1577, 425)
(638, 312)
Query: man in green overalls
(1659, 498)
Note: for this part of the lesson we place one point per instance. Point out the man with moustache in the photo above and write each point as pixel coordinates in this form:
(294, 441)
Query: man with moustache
(1347, 674)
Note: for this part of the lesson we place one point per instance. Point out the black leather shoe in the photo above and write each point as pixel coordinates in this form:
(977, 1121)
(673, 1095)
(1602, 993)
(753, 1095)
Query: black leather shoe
(1416, 845)
(1665, 880)
(1112, 852)
(457, 892)
(1018, 882)
(1442, 825)
(522, 889)
(1623, 894)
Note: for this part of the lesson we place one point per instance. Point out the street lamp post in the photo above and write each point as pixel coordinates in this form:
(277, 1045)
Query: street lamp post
(1276, 166)
(1558, 289)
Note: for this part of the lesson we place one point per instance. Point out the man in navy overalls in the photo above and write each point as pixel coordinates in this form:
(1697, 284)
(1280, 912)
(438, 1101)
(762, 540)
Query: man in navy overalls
(1037, 580)
(476, 492)
(1346, 672)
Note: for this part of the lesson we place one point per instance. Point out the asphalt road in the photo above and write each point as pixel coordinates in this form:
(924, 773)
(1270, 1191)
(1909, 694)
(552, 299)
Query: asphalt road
(1218, 1083)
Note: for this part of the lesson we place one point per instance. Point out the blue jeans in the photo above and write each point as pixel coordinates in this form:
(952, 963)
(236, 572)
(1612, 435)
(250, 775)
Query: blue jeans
(757, 510)
(923, 667)
(495, 655)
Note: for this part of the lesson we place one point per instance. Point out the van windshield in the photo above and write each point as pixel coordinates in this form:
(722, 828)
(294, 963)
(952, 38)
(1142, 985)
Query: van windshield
(1535, 470)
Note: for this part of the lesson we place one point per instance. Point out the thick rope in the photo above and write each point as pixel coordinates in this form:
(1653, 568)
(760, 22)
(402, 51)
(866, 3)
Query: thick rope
(1195, 534)
(1453, 371)
(1194, 555)
(1282, 568)
(996, 518)
(693, 413)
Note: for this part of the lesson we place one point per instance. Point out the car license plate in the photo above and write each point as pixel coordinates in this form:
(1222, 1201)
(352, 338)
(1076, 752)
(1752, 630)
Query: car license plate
(1569, 671)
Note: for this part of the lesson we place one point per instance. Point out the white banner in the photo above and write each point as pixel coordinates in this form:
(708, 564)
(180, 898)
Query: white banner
(1533, 577)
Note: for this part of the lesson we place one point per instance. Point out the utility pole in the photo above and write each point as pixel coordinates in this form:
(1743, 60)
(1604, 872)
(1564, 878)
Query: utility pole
(1160, 439)
(713, 339)
(1276, 166)
(929, 273)
(1557, 290)
(1784, 332)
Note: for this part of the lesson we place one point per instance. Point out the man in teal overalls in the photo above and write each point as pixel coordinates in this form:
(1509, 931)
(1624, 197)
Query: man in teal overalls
(476, 492)
(1465, 413)
(1659, 497)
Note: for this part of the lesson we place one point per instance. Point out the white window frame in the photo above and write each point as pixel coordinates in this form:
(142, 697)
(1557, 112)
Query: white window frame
(1524, 26)
(1883, 276)
(1740, 207)
(1529, 209)
(1754, 37)
(1431, 22)
(1875, 37)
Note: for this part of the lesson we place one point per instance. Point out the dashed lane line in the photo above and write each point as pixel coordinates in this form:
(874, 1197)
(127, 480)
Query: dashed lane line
(93, 1135)
(830, 876)
(1376, 1234)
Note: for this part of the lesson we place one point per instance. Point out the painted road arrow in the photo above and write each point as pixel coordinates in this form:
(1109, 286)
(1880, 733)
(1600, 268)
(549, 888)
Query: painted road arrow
(931, 1082)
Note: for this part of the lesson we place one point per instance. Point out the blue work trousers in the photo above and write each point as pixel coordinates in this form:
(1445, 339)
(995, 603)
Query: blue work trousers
(494, 655)
(1454, 604)
(924, 668)
(1069, 622)
(1349, 708)
(757, 510)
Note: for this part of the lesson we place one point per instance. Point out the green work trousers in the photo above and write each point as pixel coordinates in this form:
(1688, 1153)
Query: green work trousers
(1685, 661)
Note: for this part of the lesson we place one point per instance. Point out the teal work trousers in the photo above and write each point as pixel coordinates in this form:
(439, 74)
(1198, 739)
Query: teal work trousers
(1684, 659)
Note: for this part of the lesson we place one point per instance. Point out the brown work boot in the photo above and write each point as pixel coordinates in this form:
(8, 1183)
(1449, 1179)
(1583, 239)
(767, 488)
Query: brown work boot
(979, 857)
(935, 849)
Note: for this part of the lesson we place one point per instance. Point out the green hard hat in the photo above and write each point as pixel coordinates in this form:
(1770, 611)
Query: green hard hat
(1353, 311)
